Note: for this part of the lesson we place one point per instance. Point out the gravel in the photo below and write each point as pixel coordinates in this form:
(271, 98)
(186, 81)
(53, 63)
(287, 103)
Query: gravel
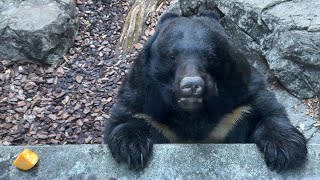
(68, 104)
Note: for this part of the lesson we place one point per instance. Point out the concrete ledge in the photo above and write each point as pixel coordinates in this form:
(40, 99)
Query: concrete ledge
(212, 161)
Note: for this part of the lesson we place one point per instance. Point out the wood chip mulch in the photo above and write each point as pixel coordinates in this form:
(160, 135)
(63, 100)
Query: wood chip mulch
(68, 104)
(313, 109)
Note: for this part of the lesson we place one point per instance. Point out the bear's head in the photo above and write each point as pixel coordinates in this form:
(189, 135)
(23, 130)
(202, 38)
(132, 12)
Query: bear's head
(191, 60)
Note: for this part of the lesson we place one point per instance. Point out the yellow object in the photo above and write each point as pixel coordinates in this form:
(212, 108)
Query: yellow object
(26, 160)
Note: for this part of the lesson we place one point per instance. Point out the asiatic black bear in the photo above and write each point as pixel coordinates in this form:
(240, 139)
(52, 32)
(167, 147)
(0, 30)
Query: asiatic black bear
(190, 84)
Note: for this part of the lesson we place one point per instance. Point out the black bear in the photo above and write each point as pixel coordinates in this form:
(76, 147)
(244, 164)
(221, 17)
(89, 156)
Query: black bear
(190, 84)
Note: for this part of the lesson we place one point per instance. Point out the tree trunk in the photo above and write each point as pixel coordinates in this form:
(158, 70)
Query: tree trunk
(135, 24)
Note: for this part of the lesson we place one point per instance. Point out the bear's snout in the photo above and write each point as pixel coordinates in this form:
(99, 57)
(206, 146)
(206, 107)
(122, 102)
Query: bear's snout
(192, 86)
(191, 90)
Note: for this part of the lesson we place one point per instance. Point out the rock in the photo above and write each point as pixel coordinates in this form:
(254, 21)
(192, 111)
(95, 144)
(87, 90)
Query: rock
(294, 58)
(54, 141)
(29, 85)
(21, 103)
(38, 31)
(109, 99)
(283, 36)
(249, 46)
(79, 78)
(191, 7)
(138, 46)
(60, 72)
(296, 111)
(86, 110)
(288, 33)
(53, 116)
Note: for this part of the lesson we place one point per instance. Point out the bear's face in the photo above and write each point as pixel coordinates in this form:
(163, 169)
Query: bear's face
(187, 58)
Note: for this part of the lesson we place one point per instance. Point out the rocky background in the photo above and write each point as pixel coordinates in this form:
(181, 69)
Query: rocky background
(65, 103)
(39, 31)
(65, 98)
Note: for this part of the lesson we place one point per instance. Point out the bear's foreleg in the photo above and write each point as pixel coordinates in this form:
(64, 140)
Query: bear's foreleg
(283, 146)
(132, 140)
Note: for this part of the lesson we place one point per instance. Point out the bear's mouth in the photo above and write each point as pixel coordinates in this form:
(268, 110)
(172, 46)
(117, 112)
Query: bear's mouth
(190, 103)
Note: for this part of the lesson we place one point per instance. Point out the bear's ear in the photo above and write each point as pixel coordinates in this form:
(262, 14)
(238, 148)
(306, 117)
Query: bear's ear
(209, 14)
(145, 53)
(161, 23)
(167, 16)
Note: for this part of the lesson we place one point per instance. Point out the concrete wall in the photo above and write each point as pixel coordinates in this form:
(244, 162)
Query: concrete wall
(233, 161)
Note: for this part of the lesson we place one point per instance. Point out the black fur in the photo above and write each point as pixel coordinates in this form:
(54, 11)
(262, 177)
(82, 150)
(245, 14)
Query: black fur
(184, 47)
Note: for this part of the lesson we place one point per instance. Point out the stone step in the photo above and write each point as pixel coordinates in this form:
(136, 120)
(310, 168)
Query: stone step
(174, 161)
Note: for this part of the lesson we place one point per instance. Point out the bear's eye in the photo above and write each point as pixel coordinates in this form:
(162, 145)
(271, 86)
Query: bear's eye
(172, 57)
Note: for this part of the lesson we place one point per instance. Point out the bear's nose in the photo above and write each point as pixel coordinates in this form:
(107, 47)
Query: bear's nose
(192, 86)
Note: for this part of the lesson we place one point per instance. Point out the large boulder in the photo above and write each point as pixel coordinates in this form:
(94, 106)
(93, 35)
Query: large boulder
(293, 48)
(38, 31)
(283, 34)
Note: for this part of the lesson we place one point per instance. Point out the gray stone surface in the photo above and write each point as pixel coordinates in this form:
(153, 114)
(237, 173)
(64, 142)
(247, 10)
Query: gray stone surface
(288, 33)
(191, 7)
(294, 58)
(247, 45)
(39, 31)
(296, 110)
(211, 161)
